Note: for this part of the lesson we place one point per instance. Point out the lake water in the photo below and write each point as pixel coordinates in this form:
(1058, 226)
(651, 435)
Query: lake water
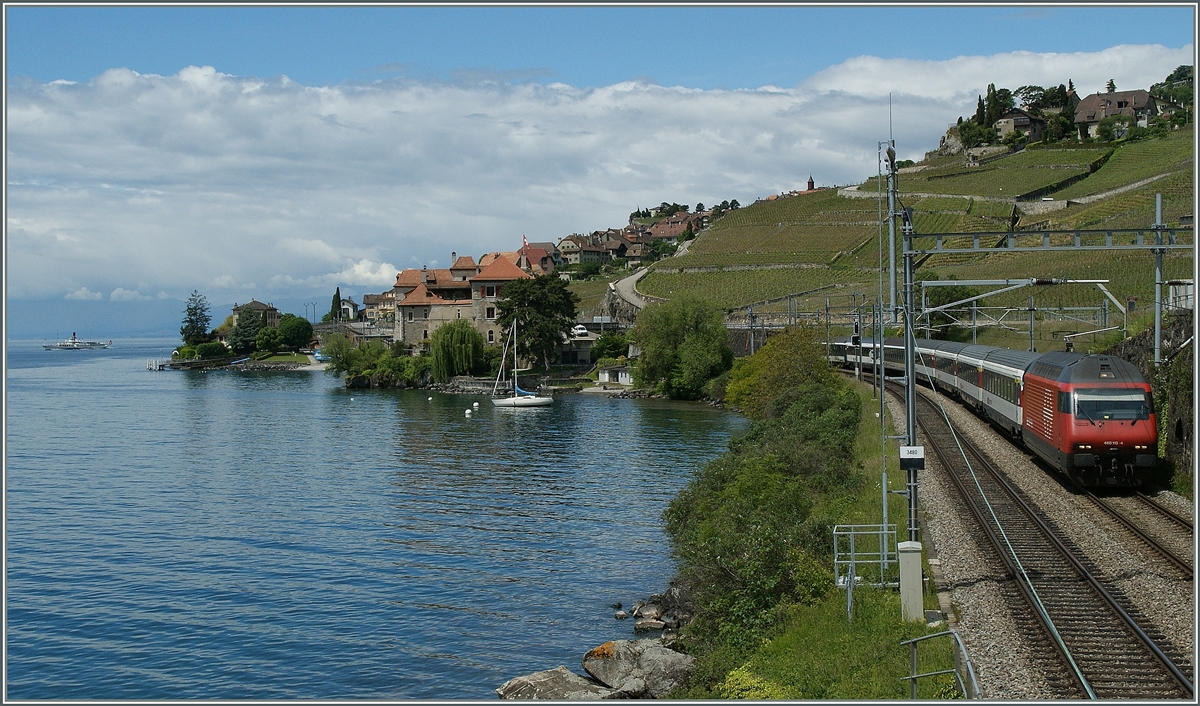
(177, 535)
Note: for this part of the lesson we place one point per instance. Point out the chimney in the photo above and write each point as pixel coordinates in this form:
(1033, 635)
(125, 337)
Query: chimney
(424, 274)
(453, 258)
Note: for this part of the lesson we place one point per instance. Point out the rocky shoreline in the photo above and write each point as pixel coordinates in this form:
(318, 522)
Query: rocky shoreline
(621, 669)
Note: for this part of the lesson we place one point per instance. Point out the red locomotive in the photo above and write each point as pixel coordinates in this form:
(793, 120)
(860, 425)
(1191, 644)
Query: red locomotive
(1089, 416)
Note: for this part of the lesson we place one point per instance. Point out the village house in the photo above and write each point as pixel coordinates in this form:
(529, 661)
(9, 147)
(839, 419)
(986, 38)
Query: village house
(1016, 119)
(582, 249)
(616, 374)
(269, 314)
(552, 250)
(672, 227)
(348, 310)
(378, 308)
(1138, 105)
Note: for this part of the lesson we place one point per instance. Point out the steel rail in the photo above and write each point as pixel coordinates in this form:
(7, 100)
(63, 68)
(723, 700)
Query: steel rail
(1167, 512)
(1178, 561)
(1123, 617)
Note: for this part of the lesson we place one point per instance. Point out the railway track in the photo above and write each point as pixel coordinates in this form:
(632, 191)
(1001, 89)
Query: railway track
(1164, 532)
(1102, 650)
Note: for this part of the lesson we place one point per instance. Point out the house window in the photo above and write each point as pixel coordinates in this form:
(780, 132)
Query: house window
(490, 290)
(425, 333)
(491, 336)
(458, 313)
(491, 313)
(410, 316)
(425, 314)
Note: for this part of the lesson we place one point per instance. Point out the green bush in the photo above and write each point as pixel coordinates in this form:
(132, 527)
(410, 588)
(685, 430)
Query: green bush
(389, 366)
(684, 345)
(186, 352)
(215, 349)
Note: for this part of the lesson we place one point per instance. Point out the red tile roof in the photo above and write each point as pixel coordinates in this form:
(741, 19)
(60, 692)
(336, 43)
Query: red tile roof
(500, 270)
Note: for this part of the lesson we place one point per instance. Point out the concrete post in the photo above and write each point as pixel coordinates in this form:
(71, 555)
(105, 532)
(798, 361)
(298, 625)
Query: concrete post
(912, 605)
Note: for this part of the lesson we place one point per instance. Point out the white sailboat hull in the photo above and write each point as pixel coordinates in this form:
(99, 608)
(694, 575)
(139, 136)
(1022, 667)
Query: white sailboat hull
(521, 401)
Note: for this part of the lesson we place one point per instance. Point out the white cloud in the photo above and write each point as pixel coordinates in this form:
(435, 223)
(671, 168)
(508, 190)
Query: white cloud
(208, 181)
(83, 294)
(121, 294)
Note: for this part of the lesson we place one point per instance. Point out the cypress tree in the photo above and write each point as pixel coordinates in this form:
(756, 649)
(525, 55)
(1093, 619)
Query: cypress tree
(335, 309)
(980, 114)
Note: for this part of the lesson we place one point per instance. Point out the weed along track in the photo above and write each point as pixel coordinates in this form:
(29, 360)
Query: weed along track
(1100, 647)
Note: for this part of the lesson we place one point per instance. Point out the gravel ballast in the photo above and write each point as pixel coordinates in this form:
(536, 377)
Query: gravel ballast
(1005, 665)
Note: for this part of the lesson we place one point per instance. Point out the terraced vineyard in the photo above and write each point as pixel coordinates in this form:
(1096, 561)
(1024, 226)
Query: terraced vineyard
(1007, 176)
(1137, 161)
(838, 237)
(729, 289)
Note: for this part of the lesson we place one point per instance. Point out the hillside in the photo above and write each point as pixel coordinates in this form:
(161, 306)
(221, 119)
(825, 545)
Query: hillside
(827, 240)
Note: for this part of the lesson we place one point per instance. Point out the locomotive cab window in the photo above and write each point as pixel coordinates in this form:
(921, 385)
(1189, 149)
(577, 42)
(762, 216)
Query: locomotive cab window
(1101, 403)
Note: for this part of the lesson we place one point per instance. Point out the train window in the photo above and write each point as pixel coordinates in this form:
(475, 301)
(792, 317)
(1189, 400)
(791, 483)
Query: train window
(1111, 403)
(1064, 402)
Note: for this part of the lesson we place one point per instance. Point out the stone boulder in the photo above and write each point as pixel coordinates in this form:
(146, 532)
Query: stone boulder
(559, 684)
(638, 668)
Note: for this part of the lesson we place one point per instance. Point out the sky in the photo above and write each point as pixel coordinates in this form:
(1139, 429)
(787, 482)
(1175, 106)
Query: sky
(278, 152)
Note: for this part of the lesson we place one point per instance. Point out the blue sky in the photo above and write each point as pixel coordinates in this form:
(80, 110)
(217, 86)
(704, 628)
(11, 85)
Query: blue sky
(156, 150)
(697, 47)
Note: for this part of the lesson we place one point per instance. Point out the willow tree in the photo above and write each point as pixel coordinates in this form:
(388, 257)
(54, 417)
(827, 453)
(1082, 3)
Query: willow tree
(456, 348)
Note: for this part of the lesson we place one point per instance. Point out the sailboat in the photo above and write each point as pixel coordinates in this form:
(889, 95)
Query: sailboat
(520, 398)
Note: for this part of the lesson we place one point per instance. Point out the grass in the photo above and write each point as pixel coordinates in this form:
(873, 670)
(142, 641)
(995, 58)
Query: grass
(591, 293)
(287, 358)
(817, 653)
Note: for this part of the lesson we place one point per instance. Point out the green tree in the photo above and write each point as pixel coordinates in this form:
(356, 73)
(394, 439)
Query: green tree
(788, 360)
(942, 323)
(335, 307)
(456, 348)
(684, 345)
(295, 331)
(980, 113)
(610, 344)
(1111, 87)
(245, 332)
(544, 309)
(196, 319)
(972, 135)
(268, 339)
(1106, 129)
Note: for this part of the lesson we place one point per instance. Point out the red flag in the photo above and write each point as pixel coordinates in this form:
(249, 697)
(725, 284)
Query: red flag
(524, 242)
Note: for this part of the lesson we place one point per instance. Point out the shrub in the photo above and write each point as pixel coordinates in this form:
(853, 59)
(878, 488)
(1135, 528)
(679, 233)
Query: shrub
(786, 361)
(684, 345)
(185, 352)
(215, 349)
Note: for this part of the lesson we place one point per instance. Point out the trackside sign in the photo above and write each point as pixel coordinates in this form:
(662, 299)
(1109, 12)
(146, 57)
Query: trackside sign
(912, 458)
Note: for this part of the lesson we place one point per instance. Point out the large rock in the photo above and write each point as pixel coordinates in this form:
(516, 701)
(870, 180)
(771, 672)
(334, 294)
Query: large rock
(622, 664)
(555, 684)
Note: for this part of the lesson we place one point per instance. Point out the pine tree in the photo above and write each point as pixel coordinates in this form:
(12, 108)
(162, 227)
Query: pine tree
(245, 331)
(335, 309)
(196, 320)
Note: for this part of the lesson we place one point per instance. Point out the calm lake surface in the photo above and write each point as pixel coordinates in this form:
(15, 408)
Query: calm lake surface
(177, 535)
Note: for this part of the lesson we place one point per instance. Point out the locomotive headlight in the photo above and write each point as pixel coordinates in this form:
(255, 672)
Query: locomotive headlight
(1083, 447)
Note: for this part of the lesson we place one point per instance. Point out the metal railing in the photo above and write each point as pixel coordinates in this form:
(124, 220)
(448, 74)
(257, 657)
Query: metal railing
(969, 687)
(856, 546)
